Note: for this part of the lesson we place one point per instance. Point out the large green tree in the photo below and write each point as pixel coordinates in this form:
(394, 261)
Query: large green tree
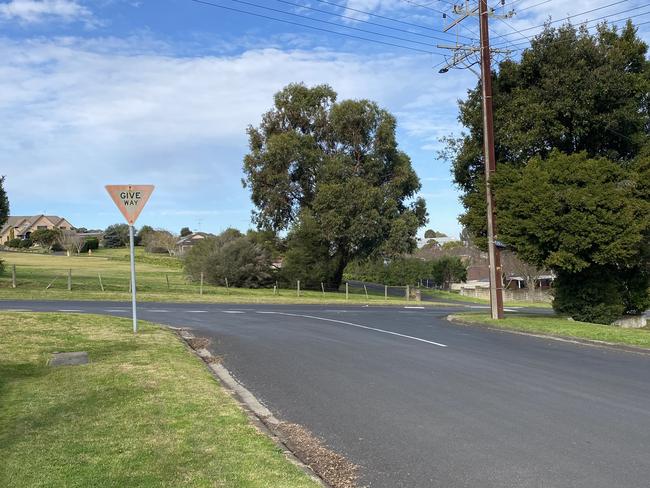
(571, 91)
(588, 219)
(337, 165)
(571, 124)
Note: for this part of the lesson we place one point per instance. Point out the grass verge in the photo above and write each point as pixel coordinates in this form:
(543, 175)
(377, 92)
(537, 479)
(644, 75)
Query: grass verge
(143, 413)
(561, 327)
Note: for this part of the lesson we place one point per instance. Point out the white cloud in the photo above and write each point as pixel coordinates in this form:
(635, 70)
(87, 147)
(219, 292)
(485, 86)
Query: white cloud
(81, 116)
(34, 11)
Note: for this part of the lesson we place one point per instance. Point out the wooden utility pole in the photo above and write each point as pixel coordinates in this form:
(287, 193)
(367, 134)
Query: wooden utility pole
(464, 56)
(496, 288)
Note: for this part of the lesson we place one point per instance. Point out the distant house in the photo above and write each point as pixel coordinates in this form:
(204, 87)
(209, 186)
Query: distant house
(21, 227)
(186, 243)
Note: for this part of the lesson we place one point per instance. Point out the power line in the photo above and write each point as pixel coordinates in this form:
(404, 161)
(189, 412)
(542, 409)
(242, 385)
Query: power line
(572, 16)
(268, 17)
(335, 24)
(583, 13)
(392, 19)
(357, 20)
(427, 7)
(604, 17)
(536, 5)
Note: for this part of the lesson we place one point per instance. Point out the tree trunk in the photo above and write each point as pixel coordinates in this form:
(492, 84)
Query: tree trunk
(335, 280)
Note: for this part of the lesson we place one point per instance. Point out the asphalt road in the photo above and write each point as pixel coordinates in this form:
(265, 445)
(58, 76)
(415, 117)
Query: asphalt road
(419, 402)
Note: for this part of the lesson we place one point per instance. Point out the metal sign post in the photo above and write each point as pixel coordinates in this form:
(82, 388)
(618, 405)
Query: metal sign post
(133, 306)
(131, 199)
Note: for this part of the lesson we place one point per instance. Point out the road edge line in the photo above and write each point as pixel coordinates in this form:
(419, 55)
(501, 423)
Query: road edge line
(454, 319)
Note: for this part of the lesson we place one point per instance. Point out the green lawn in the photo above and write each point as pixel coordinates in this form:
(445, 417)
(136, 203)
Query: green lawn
(144, 413)
(159, 278)
(562, 327)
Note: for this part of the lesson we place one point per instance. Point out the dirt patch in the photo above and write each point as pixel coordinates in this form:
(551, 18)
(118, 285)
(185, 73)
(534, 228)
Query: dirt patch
(199, 343)
(333, 468)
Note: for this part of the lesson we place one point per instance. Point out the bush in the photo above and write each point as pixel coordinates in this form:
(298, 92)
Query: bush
(231, 256)
(116, 235)
(589, 296)
(25, 243)
(46, 238)
(409, 271)
(13, 243)
(91, 243)
(2, 267)
(600, 294)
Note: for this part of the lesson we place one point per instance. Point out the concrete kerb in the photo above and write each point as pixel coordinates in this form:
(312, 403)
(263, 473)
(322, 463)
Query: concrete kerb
(260, 416)
(572, 340)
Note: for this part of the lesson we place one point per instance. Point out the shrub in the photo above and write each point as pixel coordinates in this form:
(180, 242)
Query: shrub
(46, 238)
(14, 243)
(25, 243)
(589, 296)
(91, 243)
(231, 256)
(116, 235)
(409, 271)
(2, 267)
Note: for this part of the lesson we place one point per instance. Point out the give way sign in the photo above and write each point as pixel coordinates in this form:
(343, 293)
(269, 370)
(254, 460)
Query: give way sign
(130, 199)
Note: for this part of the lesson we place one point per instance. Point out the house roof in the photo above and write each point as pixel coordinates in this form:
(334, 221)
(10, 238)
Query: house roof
(25, 222)
(191, 238)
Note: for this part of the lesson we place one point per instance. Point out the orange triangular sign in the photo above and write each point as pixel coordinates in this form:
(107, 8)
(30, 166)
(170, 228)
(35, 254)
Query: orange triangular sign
(130, 199)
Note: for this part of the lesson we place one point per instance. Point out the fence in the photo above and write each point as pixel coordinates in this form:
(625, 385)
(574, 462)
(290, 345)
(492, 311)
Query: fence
(52, 280)
(510, 295)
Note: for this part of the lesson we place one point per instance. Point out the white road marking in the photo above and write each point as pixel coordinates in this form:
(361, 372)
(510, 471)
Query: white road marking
(477, 306)
(197, 311)
(116, 310)
(359, 326)
(158, 311)
(420, 308)
(510, 310)
(232, 311)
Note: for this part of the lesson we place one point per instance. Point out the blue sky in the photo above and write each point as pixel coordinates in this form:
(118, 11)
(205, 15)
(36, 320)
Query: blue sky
(96, 92)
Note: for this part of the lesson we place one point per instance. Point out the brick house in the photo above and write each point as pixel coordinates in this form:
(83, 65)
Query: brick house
(21, 227)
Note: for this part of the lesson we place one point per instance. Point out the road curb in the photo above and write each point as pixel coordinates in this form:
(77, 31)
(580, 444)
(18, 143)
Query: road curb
(261, 416)
(571, 340)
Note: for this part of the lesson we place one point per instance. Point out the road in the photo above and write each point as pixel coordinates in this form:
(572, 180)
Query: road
(419, 402)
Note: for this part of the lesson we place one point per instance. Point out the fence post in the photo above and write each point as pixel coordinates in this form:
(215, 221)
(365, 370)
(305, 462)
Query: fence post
(167, 278)
(386, 292)
(227, 286)
(69, 280)
(298, 288)
(13, 276)
(366, 290)
(322, 286)
(408, 292)
(101, 285)
(275, 290)
(200, 287)
(347, 290)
